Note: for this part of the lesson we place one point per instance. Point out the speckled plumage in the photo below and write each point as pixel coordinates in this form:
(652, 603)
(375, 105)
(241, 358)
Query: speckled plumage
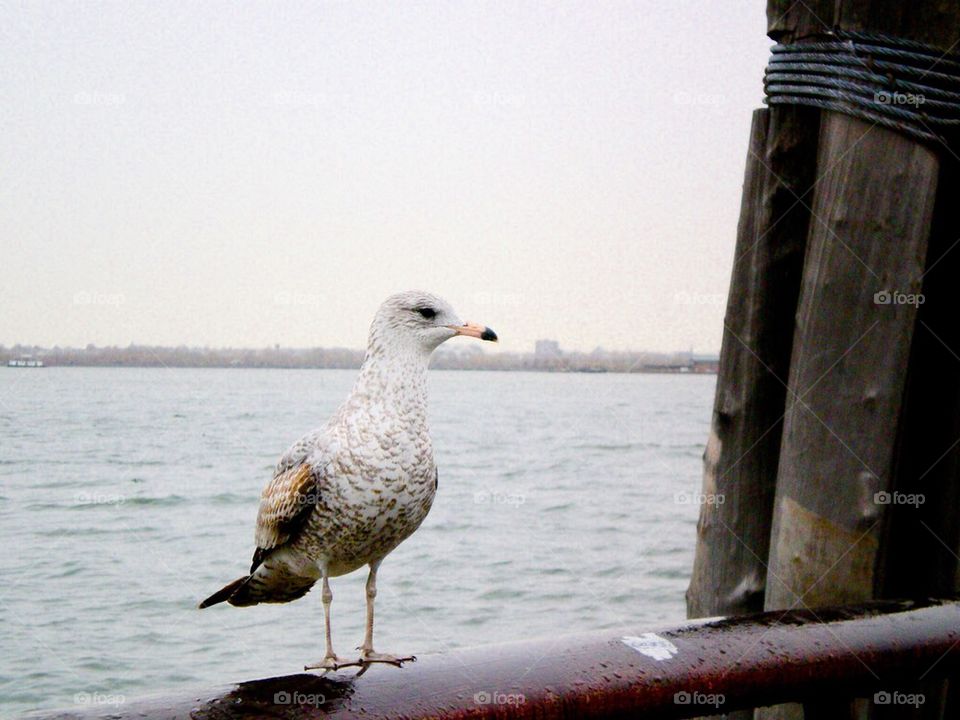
(348, 493)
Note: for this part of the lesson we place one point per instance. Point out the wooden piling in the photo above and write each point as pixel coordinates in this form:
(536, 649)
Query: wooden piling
(862, 364)
(920, 545)
(927, 463)
(872, 211)
(872, 208)
(740, 462)
(838, 525)
(742, 454)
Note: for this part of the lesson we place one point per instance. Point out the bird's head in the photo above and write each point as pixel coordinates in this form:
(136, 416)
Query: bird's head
(422, 320)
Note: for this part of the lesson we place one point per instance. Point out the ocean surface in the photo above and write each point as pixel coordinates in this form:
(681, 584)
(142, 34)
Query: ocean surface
(127, 495)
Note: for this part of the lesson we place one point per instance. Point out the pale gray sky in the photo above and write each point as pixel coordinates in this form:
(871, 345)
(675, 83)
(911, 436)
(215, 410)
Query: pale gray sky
(257, 173)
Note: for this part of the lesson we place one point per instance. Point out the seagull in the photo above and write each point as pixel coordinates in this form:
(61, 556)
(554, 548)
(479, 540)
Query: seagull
(348, 493)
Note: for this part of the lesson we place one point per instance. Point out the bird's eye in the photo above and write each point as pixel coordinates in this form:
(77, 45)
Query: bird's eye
(428, 313)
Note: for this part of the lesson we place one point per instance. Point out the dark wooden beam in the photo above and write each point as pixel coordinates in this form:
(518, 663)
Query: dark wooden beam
(934, 22)
(844, 433)
(740, 463)
(790, 21)
(873, 209)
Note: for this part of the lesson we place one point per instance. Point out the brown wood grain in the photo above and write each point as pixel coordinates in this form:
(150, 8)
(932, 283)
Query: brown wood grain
(741, 460)
(872, 213)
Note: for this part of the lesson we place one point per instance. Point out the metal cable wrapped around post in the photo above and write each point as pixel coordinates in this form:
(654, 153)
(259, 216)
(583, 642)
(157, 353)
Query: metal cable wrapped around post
(903, 85)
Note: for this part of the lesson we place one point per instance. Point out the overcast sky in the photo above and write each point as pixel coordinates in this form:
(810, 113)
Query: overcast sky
(255, 173)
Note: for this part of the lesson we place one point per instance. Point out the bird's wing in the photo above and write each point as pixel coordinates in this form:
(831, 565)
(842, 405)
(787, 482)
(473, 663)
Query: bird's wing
(287, 501)
(306, 446)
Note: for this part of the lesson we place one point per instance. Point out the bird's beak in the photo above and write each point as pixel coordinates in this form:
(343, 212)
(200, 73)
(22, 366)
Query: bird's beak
(474, 330)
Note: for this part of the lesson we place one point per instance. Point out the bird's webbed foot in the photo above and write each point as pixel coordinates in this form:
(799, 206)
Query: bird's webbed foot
(368, 657)
(333, 662)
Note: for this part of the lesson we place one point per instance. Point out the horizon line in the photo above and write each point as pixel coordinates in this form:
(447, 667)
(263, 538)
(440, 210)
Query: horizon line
(277, 346)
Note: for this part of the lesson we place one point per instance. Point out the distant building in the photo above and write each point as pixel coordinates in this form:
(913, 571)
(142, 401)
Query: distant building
(25, 361)
(546, 349)
(682, 362)
(665, 368)
(704, 363)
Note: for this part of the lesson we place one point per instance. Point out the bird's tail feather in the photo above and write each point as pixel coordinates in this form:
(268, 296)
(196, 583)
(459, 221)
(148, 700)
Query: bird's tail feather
(255, 589)
(224, 593)
(265, 586)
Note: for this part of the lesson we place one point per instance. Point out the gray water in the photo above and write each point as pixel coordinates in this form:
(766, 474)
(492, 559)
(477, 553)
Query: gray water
(127, 495)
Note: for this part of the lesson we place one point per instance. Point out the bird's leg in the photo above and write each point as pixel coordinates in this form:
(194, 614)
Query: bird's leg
(371, 589)
(367, 653)
(330, 660)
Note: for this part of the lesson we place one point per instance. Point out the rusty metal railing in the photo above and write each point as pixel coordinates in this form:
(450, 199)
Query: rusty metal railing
(879, 650)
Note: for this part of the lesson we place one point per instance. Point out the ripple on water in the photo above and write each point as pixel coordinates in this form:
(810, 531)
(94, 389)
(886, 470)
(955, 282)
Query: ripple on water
(669, 573)
(81, 531)
(232, 499)
(610, 571)
(157, 501)
(502, 593)
(618, 446)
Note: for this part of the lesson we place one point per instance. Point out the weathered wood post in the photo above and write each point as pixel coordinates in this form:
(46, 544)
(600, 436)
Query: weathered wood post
(849, 367)
(873, 208)
(920, 545)
(740, 462)
(861, 369)
(742, 455)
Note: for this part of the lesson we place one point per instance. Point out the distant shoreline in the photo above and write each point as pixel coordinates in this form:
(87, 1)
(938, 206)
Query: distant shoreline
(134, 356)
(645, 371)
